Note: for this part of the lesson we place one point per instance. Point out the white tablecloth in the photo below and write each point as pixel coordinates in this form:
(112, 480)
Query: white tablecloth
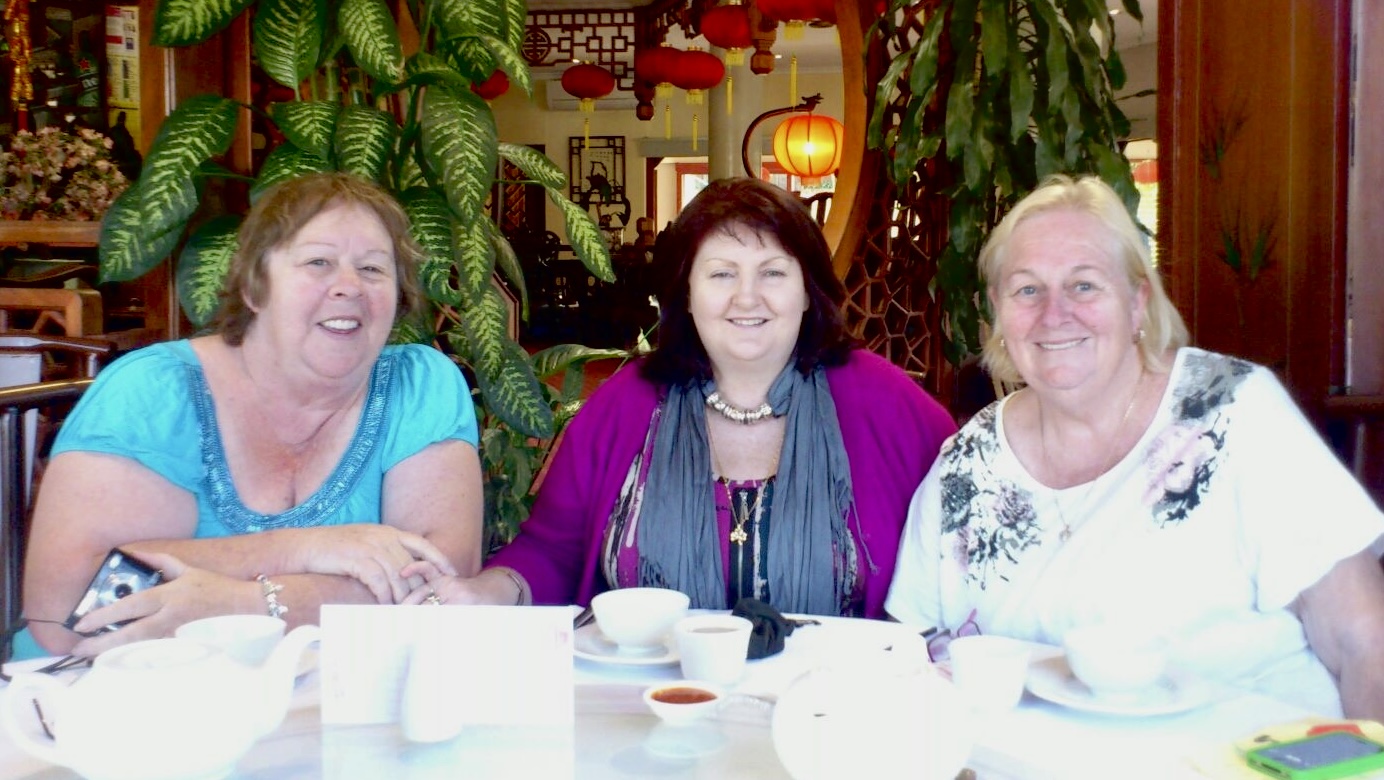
(616, 737)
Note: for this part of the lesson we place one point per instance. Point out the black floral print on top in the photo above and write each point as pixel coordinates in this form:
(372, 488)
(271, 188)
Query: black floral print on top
(986, 519)
(1184, 458)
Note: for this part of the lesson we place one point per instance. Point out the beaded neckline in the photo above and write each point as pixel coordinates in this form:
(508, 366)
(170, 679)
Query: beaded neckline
(329, 497)
(735, 413)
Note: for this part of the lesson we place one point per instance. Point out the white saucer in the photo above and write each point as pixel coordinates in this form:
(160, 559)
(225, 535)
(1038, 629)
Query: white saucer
(1178, 691)
(590, 644)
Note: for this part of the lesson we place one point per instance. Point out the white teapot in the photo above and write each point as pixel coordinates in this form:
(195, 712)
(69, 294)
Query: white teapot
(162, 708)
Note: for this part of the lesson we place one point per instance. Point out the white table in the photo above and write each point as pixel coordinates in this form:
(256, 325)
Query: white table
(616, 737)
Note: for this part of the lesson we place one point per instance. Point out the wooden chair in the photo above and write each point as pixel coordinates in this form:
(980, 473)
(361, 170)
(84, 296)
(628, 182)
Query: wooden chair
(75, 312)
(15, 489)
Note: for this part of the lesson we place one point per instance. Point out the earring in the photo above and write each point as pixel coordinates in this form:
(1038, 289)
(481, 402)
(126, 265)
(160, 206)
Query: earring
(1002, 345)
(1138, 335)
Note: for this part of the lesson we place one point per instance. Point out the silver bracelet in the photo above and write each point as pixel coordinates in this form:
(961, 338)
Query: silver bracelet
(518, 583)
(270, 590)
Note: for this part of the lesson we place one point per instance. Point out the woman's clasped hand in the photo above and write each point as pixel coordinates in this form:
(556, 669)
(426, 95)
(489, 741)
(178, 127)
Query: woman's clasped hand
(289, 459)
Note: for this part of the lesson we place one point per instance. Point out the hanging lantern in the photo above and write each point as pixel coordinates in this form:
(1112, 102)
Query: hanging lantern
(697, 72)
(1146, 172)
(825, 11)
(493, 87)
(728, 26)
(809, 146)
(793, 14)
(588, 83)
(657, 66)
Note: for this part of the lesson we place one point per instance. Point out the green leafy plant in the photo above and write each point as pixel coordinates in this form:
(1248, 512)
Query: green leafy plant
(985, 98)
(409, 122)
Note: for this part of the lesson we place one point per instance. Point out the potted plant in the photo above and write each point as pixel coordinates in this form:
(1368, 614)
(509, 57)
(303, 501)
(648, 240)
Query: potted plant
(982, 100)
(410, 122)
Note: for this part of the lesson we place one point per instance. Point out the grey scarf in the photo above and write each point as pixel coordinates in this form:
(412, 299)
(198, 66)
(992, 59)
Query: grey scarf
(809, 549)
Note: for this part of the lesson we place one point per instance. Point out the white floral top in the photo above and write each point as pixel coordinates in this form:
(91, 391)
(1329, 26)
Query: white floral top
(1225, 510)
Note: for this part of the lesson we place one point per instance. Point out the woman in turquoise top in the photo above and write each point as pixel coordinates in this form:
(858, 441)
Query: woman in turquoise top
(287, 461)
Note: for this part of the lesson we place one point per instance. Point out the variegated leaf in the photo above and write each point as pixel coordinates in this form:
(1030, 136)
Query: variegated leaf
(459, 141)
(472, 17)
(285, 162)
(373, 38)
(511, 61)
(506, 379)
(535, 165)
(185, 22)
(199, 129)
(288, 38)
(517, 16)
(365, 138)
(128, 248)
(508, 263)
(411, 331)
(308, 125)
(585, 237)
(431, 225)
(550, 361)
(475, 257)
(471, 58)
(202, 267)
(425, 69)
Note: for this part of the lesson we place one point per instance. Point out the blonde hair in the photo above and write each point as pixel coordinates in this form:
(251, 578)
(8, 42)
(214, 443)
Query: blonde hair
(276, 218)
(1161, 328)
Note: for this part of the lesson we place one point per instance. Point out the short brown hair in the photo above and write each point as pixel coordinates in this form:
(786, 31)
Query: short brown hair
(278, 215)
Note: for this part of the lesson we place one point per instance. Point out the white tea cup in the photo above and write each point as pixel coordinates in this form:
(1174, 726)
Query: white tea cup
(1115, 660)
(713, 647)
(989, 671)
(249, 639)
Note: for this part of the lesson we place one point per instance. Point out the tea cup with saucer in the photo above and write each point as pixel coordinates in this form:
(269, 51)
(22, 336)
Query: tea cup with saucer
(1115, 660)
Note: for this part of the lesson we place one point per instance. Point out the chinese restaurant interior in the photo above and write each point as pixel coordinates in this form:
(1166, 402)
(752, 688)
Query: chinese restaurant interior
(555, 144)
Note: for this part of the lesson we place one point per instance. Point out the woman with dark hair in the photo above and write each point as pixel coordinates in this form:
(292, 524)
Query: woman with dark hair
(286, 460)
(755, 452)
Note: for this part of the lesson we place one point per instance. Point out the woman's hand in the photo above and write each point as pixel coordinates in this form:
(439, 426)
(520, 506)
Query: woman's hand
(374, 555)
(491, 586)
(186, 594)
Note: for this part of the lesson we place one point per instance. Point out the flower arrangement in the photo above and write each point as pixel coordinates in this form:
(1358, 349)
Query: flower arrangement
(59, 175)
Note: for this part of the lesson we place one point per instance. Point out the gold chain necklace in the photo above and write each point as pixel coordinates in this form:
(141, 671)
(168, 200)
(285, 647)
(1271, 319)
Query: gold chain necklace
(1067, 529)
(744, 511)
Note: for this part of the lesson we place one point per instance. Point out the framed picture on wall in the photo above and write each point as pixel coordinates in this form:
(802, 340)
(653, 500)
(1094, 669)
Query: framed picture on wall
(596, 179)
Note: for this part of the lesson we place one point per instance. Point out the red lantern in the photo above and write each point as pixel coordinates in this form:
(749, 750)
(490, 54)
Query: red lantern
(1146, 172)
(587, 82)
(728, 26)
(657, 66)
(825, 11)
(493, 87)
(697, 71)
(809, 146)
(792, 13)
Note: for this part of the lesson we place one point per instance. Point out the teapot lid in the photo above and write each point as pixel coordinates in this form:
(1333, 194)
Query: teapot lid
(155, 655)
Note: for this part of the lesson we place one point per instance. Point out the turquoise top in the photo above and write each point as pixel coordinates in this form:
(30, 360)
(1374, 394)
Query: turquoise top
(153, 406)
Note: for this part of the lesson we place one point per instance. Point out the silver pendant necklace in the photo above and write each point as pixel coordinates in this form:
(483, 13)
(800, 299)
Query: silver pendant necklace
(1067, 528)
(735, 413)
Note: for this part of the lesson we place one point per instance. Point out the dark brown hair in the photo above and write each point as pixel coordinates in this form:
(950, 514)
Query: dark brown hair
(768, 211)
(278, 215)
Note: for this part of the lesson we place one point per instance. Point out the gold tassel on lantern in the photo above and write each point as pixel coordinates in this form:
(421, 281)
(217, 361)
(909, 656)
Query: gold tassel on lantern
(694, 131)
(588, 107)
(667, 121)
(793, 79)
(730, 91)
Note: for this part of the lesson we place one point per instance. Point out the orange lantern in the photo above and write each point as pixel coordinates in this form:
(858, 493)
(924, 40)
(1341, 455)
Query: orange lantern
(728, 26)
(493, 87)
(587, 83)
(809, 146)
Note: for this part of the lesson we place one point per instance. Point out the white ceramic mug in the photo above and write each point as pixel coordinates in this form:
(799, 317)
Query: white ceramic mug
(989, 671)
(713, 647)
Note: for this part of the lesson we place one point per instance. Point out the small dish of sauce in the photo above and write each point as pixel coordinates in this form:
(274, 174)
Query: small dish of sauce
(685, 701)
(683, 695)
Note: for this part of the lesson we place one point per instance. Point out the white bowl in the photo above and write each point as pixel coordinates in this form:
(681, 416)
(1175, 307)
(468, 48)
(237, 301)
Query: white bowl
(1114, 660)
(639, 619)
(684, 701)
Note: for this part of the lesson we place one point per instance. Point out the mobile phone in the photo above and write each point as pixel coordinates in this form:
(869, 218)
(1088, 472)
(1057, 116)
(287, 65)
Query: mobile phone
(1326, 756)
(118, 576)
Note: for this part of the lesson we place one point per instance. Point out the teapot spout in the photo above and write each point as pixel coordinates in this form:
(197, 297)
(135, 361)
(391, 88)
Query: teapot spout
(279, 672)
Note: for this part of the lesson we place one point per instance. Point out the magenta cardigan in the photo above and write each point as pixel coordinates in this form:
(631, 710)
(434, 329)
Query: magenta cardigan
(892, 431)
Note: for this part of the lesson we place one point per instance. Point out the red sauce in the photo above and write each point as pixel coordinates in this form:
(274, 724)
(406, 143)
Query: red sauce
(682, 696)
